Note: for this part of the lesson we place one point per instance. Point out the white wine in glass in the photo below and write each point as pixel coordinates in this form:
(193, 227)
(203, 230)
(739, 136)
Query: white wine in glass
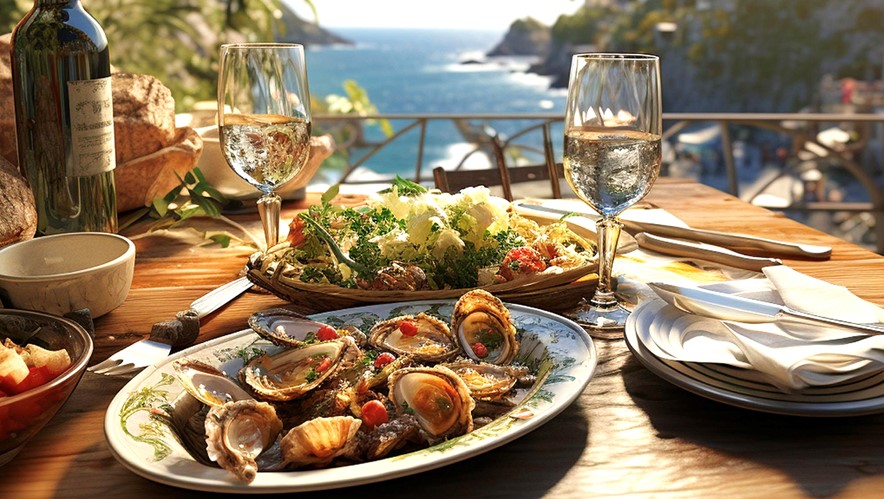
(264, 118)
(613, 130)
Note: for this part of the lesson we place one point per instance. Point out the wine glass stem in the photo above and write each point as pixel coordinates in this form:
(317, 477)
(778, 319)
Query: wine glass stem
(608, 232)
(269, 207)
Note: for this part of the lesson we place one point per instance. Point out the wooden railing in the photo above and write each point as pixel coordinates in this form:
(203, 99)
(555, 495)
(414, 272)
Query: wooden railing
(523, 139)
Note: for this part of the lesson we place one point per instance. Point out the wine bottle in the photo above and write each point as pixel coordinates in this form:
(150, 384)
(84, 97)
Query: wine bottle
(64, 117)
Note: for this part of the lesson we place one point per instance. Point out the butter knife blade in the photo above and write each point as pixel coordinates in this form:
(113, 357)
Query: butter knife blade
(706, 252)
(738, 242)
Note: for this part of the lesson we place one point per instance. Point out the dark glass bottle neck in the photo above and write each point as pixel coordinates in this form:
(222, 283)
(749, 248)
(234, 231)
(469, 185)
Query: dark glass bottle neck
(44, 3)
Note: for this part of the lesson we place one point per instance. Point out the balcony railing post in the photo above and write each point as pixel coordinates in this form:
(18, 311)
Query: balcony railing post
(727, 150)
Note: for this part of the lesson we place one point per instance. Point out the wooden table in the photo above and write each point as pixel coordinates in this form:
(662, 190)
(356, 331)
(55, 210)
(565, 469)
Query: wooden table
(630, 433)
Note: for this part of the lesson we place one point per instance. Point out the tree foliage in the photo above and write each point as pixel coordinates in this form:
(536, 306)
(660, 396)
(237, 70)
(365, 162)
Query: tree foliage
(769, 54)
(175, 40)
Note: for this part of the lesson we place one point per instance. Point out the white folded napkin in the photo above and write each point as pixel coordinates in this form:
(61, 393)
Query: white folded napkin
(791, 356)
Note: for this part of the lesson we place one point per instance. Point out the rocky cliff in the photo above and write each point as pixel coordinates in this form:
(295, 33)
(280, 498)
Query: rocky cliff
(295, 29)
(525, 37)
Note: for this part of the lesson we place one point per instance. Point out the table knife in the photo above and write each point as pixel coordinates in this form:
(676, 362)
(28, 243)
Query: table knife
(708, 252)
(738, 242)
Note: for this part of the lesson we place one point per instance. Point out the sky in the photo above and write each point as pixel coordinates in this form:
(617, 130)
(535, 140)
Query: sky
(466, 14)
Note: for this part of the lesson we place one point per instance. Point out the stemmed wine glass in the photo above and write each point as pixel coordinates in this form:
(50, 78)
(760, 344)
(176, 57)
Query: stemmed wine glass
(264, 119)
(613, 127)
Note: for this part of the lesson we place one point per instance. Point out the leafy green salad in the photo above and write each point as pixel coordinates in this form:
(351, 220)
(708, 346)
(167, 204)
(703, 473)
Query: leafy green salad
(459, 240)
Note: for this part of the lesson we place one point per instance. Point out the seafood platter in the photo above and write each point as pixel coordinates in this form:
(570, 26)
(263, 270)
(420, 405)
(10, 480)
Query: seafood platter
(408, 243)
(353, 396)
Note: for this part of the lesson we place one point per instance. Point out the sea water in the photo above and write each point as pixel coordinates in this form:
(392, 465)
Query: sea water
(419, 71)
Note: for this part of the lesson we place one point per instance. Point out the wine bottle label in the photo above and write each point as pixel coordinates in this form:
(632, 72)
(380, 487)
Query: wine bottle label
(92, 127)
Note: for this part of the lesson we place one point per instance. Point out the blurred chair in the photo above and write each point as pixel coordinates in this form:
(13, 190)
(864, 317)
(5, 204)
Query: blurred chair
(504, 176)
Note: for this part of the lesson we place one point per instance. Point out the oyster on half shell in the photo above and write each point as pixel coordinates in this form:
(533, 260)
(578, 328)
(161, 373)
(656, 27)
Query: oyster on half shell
(436, 396)
(207, 384)
(238, 432)
(289, 329)
(484, 328)
(431, 342)
(292, 373)
(488, 381)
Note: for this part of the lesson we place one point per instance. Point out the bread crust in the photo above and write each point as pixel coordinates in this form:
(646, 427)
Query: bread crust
(18, 215)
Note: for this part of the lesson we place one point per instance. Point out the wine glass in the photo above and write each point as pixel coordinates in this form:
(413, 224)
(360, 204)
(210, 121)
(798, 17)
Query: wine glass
(613, 127)
(264, 119)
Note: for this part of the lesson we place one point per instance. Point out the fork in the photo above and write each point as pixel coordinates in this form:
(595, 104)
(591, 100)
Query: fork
(146, 352)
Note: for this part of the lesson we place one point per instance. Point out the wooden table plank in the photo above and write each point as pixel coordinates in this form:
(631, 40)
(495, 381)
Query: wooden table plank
(630, 433)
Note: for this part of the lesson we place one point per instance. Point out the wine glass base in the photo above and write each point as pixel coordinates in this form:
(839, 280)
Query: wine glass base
(603, 323)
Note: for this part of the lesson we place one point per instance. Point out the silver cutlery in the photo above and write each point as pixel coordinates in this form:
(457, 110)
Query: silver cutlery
(723, 306)
(146, 352)
(712, 253)
(737, 242)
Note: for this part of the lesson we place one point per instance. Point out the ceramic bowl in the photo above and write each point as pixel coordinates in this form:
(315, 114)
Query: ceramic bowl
(219, 175)
(23, 415)
(65, 272)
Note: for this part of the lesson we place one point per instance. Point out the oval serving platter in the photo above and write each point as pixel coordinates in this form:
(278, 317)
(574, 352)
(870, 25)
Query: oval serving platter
(559, 350)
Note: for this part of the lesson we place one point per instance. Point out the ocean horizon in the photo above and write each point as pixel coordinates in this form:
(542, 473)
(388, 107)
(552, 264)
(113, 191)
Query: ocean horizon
(420, 71)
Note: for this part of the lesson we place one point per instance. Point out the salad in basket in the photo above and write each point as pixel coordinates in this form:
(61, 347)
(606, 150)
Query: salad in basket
(410, 238)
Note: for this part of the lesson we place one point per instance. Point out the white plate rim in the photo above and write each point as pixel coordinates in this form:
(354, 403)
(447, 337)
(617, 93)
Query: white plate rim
(746, 401)
(447, 456)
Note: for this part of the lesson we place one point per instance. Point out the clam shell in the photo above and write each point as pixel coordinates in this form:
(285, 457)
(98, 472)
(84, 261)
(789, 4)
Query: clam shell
(432, 343)
(480, 317)
(318, 441)
(209, 385)
(436, 396)
(237, 433)
(294, 372)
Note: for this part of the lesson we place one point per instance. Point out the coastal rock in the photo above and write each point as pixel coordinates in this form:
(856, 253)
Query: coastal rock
(525, 37)
(295, 29)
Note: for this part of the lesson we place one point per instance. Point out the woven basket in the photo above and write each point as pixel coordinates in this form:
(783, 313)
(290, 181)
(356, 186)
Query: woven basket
(550, 292)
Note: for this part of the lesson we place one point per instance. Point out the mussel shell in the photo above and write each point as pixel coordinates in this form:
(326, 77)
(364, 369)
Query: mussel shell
(290, 329)
(292, 373)
(238, 432)
(436, 396)
(209, 385)
(479, 316)
(432, 343)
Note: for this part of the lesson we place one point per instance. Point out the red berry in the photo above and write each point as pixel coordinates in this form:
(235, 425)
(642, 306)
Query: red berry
(407, 328)
(384, 359)
(326, 333)
(480, 350)
(374, 413)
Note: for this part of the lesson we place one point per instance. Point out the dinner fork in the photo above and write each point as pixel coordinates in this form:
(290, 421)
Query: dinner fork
(146, 352)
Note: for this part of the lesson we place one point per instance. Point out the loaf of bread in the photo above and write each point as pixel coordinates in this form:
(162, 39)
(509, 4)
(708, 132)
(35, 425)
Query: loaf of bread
(144, 116)
(140, 180)
(7, 108)
(18, 215)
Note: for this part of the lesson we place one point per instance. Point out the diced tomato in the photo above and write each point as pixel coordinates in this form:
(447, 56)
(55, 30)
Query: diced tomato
(3, 394)
(36, 376)
(326, 333)
(324, 365)
(384, 359)
(520, 261)
(374, 413)
(480, 350)
(407, 328)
